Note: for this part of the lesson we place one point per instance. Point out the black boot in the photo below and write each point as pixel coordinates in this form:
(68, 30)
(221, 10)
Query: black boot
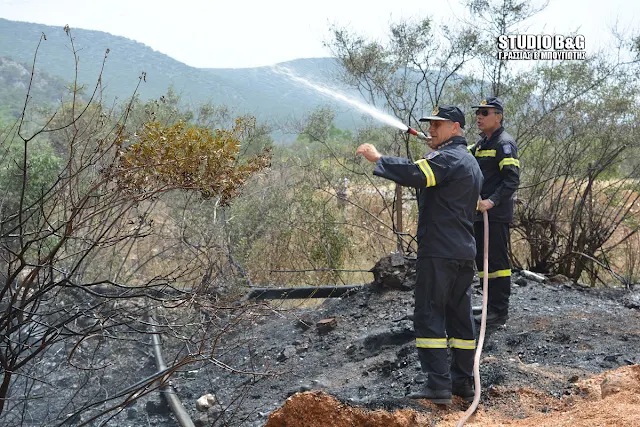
(494, 319)
(441, 397)
(464, 389)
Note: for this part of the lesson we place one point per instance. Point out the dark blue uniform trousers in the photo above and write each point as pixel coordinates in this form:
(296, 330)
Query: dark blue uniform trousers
(499, 264)
(443, 320)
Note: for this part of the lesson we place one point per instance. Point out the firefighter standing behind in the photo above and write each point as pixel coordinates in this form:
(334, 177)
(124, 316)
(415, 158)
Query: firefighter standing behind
(497, 155)
(449, 182)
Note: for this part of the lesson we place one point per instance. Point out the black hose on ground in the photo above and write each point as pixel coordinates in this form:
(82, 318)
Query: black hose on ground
(184, 420)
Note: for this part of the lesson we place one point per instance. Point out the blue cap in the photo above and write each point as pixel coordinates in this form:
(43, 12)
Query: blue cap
(446, 112)
(491, 102)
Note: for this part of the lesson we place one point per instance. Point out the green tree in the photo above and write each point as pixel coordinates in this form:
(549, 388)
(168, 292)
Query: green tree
(42, 169)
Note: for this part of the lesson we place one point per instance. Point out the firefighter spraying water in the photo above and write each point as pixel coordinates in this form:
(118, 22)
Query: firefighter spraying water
(448, 180)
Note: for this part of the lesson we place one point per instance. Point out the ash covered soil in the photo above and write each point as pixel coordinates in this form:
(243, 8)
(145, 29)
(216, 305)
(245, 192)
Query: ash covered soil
(542, 363)
(568, 356)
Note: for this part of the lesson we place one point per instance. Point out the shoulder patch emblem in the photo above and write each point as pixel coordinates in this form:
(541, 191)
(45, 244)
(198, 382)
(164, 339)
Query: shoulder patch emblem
(431, 155)
(506, 148)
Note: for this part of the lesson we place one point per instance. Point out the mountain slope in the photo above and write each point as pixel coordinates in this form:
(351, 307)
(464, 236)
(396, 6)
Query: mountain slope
(260, 91)
(125, 62)
(14, 81)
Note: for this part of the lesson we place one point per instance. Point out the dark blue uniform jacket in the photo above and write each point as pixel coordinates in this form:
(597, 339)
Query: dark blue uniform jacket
(449, 181)
(498, 159)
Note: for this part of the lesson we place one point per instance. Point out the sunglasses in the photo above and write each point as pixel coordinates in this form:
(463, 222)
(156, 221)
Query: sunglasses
(483, 111)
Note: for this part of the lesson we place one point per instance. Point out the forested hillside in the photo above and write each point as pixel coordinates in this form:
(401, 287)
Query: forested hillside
(261, 91)
(14, 81)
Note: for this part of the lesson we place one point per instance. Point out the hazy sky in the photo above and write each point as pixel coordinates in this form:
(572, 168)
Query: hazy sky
(237, 33)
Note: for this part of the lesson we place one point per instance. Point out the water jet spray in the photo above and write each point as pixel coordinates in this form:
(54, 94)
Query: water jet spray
(337, 95)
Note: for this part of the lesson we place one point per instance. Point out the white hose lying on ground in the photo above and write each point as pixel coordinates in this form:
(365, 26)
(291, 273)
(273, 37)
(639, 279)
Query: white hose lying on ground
(483, 324)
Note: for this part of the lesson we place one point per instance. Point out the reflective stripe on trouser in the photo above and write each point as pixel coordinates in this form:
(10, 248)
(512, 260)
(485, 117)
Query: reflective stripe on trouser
(462, 344)
(499, 264)
(443, 308)
(496, 274)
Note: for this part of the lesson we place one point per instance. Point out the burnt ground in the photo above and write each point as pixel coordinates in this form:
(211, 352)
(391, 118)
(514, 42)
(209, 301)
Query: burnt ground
(557, 335)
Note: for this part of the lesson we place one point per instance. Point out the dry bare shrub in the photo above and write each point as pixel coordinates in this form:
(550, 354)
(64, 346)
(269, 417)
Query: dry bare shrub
(78, 274)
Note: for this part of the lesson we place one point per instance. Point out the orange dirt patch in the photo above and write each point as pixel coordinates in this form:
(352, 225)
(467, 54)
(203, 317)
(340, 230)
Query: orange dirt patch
(311, 409)
(608, 399)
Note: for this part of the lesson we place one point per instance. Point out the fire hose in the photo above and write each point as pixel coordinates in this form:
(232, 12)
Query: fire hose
(483, 324)
(485, 296)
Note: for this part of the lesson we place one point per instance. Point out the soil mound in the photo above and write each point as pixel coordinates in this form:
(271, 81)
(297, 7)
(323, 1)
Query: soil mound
(608, 399)
(319, 409)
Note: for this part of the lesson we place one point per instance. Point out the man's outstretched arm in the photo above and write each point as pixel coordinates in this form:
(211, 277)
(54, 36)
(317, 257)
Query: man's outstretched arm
(420, 174)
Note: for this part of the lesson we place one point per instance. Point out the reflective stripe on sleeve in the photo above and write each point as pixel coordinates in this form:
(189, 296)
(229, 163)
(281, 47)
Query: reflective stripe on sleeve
(471, 147)
(427, 171)
(431, 342)
(499, 273)
(462, 344)
(509, 161)
(485, 153)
